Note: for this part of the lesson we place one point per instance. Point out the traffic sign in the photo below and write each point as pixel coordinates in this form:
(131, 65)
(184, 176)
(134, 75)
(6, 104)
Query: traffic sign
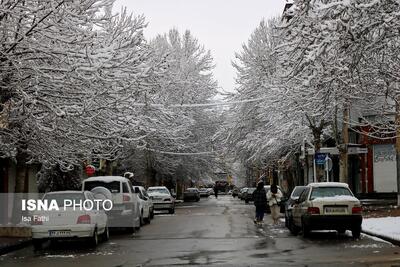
(320, 158)
(90, 170)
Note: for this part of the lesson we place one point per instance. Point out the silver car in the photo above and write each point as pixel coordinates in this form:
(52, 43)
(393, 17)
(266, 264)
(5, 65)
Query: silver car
(327, 206)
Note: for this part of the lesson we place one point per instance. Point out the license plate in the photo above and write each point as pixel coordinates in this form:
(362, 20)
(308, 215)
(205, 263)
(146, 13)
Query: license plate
(335, 210)
(59, 233)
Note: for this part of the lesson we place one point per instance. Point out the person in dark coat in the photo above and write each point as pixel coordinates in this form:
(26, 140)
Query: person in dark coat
(260, 201)
(216, 191)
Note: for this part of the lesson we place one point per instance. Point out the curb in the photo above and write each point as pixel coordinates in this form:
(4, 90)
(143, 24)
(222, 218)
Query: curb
(16, 246)
(391, 240)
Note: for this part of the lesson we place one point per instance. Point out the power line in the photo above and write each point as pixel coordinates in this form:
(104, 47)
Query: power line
(197, 105)
(181, 153)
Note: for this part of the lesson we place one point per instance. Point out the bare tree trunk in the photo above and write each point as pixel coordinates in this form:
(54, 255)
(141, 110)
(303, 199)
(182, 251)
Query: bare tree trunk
(317, 132)
(398, 147)
(343, 161)
(20, 185)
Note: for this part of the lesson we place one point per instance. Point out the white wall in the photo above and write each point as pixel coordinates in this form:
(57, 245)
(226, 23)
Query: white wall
(385, 169)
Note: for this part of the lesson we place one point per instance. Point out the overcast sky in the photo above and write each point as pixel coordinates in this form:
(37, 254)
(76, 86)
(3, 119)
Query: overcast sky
(222, 26)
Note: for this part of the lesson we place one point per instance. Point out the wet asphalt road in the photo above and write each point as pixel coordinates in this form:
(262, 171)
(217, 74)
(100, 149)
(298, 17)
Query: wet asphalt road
(213, 232)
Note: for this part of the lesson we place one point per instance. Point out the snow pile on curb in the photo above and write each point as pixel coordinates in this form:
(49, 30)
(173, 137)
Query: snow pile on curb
(387, 227)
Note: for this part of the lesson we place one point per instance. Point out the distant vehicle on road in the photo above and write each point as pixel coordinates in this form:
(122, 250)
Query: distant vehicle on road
(125, 211)
(327, 206)
(204, 192)
(248, 194)
(235, 192)
(241, 193)
(290, 202)
(146, 205)
(69, 223)
(191, 194)
(162, 198)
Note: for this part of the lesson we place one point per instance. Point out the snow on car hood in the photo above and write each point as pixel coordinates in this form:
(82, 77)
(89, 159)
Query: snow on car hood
(336, 198)
(159, 194)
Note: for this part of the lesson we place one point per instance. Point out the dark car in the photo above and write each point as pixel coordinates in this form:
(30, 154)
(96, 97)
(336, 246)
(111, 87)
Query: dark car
(289, 203)
(248, 194)
(191, 194)
(235, 192)
(241, 192)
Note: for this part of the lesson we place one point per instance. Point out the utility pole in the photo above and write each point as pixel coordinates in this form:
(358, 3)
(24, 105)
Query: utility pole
(397, 119)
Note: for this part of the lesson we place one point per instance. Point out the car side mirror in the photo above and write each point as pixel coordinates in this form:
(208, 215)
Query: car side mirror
(174, 195)
(137, 190)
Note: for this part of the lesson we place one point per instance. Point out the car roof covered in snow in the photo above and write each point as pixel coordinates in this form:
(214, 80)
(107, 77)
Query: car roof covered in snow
(106, 179)
(64, 192)
(328, 184)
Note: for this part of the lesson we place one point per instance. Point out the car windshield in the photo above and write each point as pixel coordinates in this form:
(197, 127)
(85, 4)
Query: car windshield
(114, 186)
(191, 190)
(251, 190)
(59, 198)
(297, 191)
(157, 190)
(321, 192)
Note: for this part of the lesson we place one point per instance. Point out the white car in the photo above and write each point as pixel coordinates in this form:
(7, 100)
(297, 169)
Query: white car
(327, 206)
(145, 203)
(126, 210)
(69, 223)
(162, 198)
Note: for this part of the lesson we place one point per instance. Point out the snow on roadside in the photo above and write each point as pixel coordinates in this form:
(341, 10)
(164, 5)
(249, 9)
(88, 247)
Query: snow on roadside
(386, 227)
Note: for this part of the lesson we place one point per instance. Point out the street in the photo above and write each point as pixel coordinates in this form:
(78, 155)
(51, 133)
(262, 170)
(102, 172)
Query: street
(213, 232)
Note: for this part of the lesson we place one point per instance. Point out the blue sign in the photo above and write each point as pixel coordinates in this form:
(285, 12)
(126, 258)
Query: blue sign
(320, 158)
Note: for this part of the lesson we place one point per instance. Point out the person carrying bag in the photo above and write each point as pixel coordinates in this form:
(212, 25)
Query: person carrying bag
(274, 197)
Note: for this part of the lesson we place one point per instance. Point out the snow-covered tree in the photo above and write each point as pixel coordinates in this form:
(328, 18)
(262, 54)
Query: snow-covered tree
(69, 69)
(174, 135)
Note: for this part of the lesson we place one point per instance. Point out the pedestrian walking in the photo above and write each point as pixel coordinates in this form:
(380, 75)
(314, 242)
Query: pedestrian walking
(274, 197)
(260, 200)
(216, 192)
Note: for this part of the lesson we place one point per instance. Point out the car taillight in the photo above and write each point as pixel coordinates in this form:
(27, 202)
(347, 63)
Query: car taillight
(126, 198)
(83, 219)
(313, 210)
(356, 210)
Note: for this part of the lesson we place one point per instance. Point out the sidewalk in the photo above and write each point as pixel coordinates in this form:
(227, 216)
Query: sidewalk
(8, 244)
(383, 223)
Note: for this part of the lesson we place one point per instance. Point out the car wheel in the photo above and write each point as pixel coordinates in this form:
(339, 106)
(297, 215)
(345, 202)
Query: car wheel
(356, 232)
(147, 220)
(305, 229)
(94, 240)
(152, 214)
(341, 231)
(171, 211)
(37, 244)
(106, 235)
(294, 230)
(141, 219)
